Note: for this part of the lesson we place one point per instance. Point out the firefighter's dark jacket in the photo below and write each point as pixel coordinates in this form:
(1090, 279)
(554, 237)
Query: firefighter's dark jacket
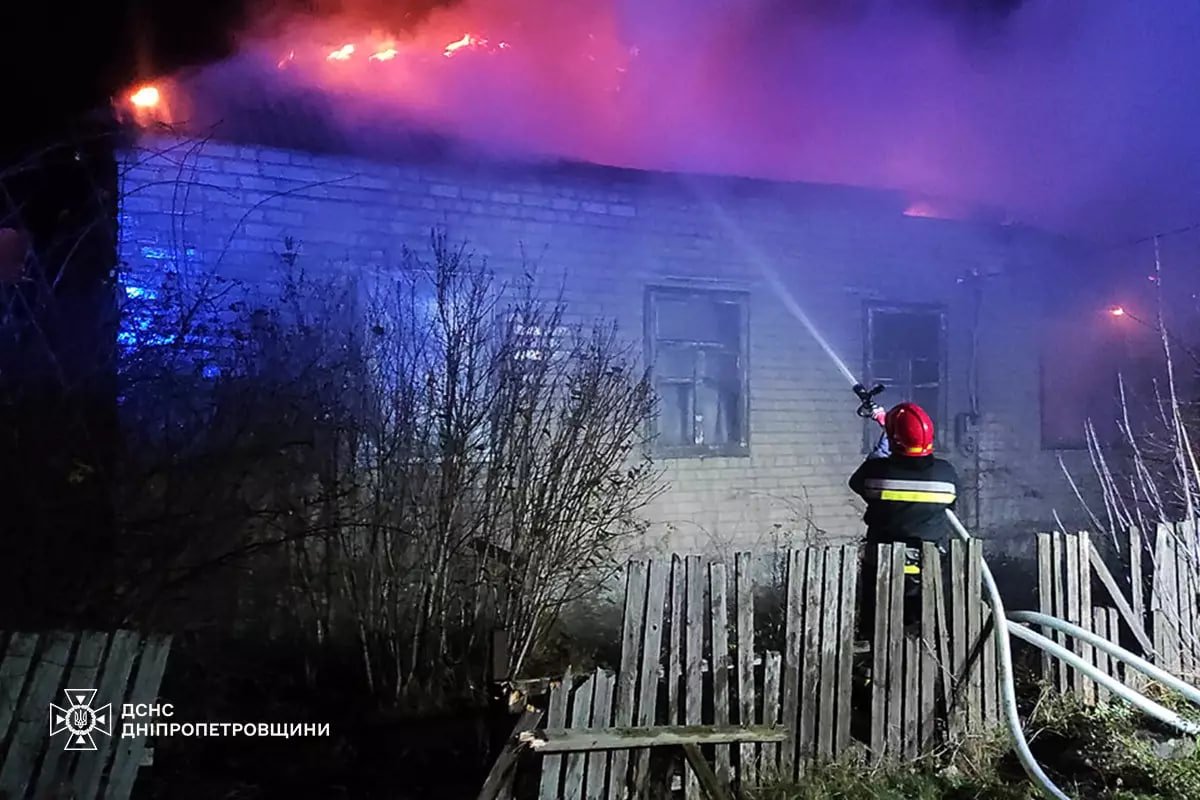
(906, 498)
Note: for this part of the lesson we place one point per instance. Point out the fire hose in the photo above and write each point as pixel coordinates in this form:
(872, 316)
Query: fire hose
(1004, 626)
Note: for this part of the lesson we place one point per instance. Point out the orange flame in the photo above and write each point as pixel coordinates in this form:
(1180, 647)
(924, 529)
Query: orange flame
(386, 54)
(1117, 311)
(343, 53)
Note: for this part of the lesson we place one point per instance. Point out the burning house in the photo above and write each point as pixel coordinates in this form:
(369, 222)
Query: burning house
(711, 276)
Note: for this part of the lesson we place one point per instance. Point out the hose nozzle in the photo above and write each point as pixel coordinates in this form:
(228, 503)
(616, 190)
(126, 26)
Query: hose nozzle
(867, 396)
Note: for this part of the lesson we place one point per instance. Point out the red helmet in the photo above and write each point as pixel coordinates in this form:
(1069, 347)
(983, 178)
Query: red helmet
(909, 430)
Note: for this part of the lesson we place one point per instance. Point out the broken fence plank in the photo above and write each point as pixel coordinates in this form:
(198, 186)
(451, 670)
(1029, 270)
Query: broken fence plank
(128, 756)
(848, 593)
(1045, 567)
(693, 699)
(1135, 621)
(975, 610)
(597, 761)
(958, 637)
(500, 776)
(880, 647)
(811, 655)
(14, 668)
(930, 566)
(719, 638)
(744, 607)
(551, 778)
(772, 666)
(793, 641)
(676, 642)
(656, 595)
(581, 717)
(1086, 651)
(827, 680)
(1057, 557)
(114, 680)
(29, 727)
(626, 688)
(53, 774)
(566, 740)
(705, 777)
(896, 644)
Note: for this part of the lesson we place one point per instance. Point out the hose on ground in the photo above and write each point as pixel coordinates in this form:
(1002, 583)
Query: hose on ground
(1004, 663)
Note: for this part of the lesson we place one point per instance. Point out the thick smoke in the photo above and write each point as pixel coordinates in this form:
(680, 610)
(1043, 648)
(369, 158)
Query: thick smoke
(1078, 115)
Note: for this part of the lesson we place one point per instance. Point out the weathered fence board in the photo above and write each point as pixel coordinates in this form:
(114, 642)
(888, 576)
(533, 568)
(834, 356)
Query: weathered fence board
(35, 672)
(1167, 636)
(690, 623)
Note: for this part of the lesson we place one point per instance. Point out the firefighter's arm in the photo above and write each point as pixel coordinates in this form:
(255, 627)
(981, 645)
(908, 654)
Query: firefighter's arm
(858, 479)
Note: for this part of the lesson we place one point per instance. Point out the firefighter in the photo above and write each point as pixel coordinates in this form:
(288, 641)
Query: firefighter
(907, 490)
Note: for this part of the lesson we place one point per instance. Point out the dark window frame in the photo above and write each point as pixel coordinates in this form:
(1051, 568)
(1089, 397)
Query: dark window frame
(890, 397)
(654, 294)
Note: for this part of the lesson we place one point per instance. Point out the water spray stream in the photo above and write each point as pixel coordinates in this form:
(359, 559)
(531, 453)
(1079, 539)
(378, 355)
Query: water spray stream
(760, 262)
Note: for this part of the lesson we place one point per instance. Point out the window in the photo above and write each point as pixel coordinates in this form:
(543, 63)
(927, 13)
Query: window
(906, 352)
(697, 349)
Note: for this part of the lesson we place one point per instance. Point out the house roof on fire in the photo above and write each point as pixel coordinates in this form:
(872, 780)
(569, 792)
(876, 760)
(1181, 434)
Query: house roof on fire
(222, 104)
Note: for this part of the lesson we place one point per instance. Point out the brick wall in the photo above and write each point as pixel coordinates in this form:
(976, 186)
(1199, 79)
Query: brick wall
(613, 232)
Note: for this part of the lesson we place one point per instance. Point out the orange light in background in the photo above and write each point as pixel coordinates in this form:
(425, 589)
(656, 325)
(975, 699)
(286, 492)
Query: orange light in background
(145, 97)
(343, 53)
(921, 209)
(386, 54)
(1117, 311)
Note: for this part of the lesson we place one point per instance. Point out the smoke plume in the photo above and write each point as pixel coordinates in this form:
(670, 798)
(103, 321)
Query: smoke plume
(1077, 115)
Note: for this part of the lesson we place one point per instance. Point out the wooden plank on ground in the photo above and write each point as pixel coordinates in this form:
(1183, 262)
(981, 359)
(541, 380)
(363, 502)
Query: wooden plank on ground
(1135, 621)
(128, 755)
(1045, 567)
(581, 717)
(29, 729)
(719, 636)
(811, 655)
(676, 642)
(929, 669)
(1086, 617)
(14, 669)
(597, 761)
(794, 642)
(706, 779)
(567, 740)
(694, 621)
(772, 667)
(500, 776)
(847, 595)
(896, 643)
(1058, 556)
(114, 681)
(556, 717)
(827, 682)
(744, 599)
(881, 646)
(656, 595)
(627, 675)
(54, 773)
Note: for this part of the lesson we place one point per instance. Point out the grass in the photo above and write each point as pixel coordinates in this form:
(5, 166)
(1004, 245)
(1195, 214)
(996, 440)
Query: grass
(1109, 752)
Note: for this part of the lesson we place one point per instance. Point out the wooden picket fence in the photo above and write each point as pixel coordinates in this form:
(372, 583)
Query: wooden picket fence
(682, 663)
(1166, 631)
(35, 671)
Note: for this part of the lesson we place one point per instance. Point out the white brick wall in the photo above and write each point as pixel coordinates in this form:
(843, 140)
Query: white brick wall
(611, 232)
